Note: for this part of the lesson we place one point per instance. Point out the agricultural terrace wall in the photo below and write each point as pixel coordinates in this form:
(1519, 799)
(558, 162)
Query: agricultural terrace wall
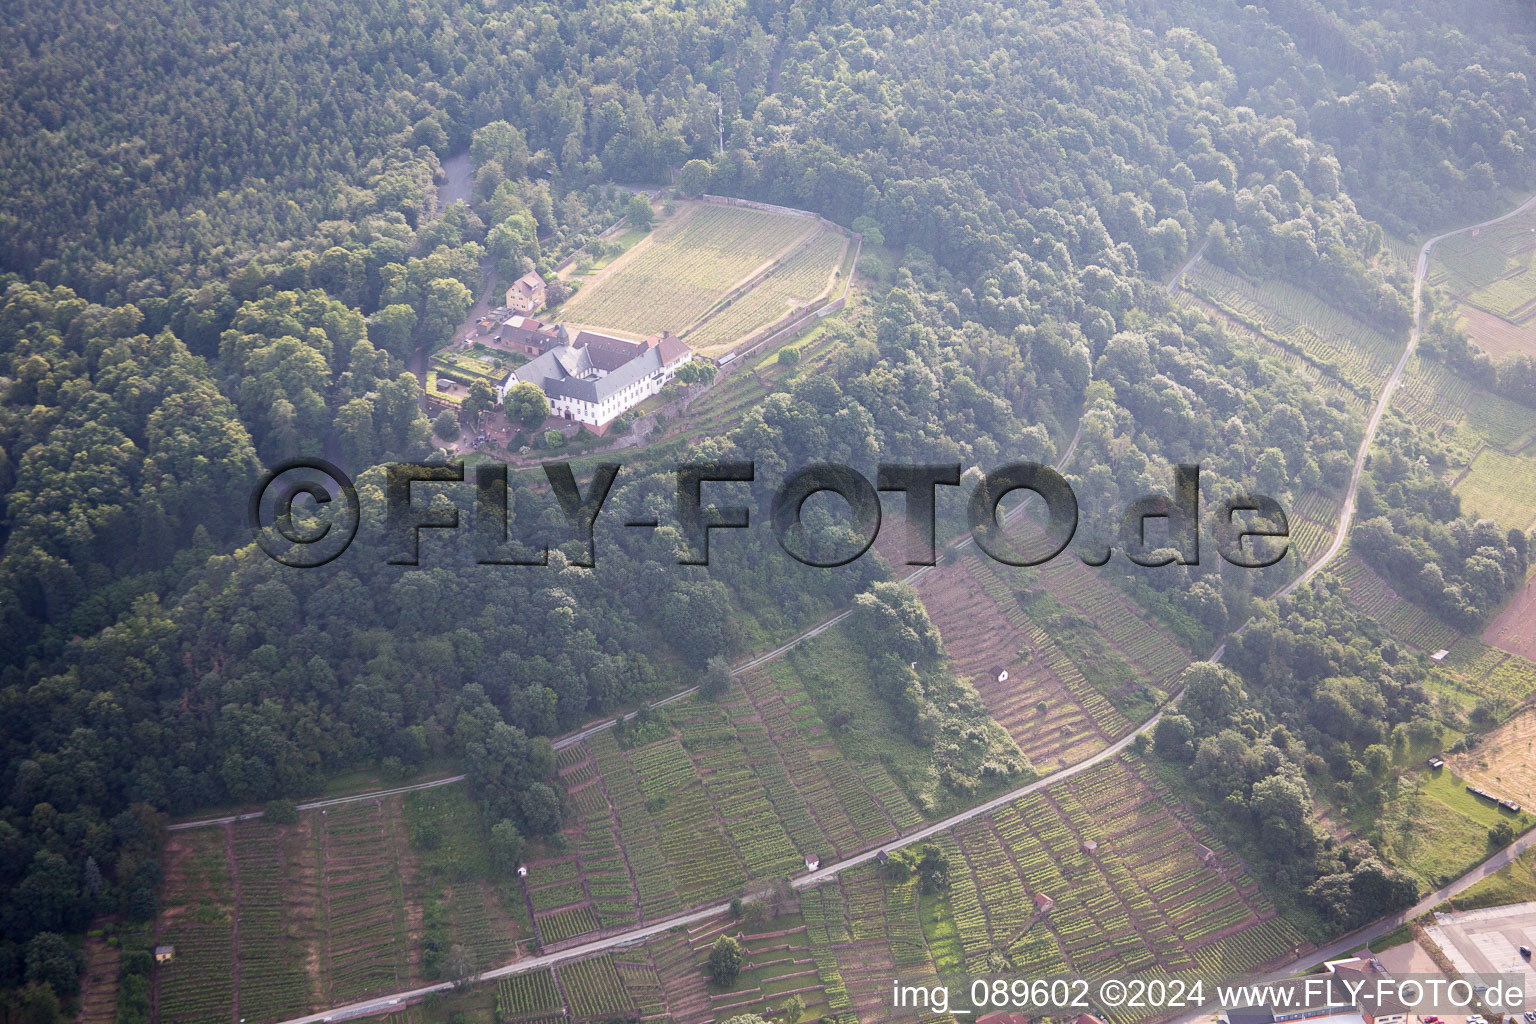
(754, 205)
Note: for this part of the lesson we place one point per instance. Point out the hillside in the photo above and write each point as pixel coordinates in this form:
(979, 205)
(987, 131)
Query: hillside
(489, 767)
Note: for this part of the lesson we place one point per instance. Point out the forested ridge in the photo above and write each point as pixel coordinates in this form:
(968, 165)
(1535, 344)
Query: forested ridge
(223, 243)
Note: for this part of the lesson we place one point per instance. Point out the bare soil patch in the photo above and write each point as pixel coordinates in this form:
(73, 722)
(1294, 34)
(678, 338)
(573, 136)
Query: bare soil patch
(1500, 338)
(1515, 628)
(1505, 761)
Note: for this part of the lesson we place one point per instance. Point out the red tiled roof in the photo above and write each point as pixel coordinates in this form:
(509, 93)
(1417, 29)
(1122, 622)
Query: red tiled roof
(671, 349)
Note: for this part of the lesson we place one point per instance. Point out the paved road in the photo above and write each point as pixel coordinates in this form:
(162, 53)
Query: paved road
(385, 1004)
(1347, 513)
(313, 804)
(1377, 929)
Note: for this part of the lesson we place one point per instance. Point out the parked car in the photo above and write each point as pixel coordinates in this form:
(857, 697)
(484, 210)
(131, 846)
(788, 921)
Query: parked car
(1477, 1018)
(1530, 1015)
(1525, 951)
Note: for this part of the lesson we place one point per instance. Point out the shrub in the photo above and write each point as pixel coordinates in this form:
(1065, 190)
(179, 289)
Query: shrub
(282, 812)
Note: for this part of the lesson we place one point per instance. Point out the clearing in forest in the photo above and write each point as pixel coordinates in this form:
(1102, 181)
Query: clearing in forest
(712, 274)
(1435, 828)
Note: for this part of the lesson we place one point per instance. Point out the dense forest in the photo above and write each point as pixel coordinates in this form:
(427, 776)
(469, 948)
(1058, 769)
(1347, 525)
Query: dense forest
(223, 246)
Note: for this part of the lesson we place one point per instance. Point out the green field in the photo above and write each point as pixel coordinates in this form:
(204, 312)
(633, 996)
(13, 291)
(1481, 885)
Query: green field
(1487, 673)
(688, 265)
(1514, 883)
(1494, 269)
(1501, 487)
(1438, 830)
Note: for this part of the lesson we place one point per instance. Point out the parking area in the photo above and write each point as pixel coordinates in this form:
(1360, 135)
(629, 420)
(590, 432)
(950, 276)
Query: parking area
(1488, 941)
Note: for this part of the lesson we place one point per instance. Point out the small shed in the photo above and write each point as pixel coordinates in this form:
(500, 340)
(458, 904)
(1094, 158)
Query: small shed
(1044, 904)
(1439, 655)
(1207, 856)
(882, 858)
(522, 871)
(1090, 846)
(812, 862)
(165, 954)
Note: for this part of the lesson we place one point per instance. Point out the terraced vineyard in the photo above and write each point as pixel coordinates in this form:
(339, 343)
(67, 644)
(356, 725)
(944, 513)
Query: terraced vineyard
(1475, 420)
(366, 947)
(1489, 673)
(1492, 273)
(803, 277)
(528, 995)
(1501, 487)
(1312, 522)
(738, 790)
(273, 983)
(1157, 896)
(780, 962)
(1440, 402)
(685, 267)
(1016, 667)
(1059, 656)
(321, 912)
(750, 379)
(593, 989)
(1295, 320)
(1121, 861)
(1373, 596)
(1111, 616)
(1497, 422)
(196, 917)
(1293, 359)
